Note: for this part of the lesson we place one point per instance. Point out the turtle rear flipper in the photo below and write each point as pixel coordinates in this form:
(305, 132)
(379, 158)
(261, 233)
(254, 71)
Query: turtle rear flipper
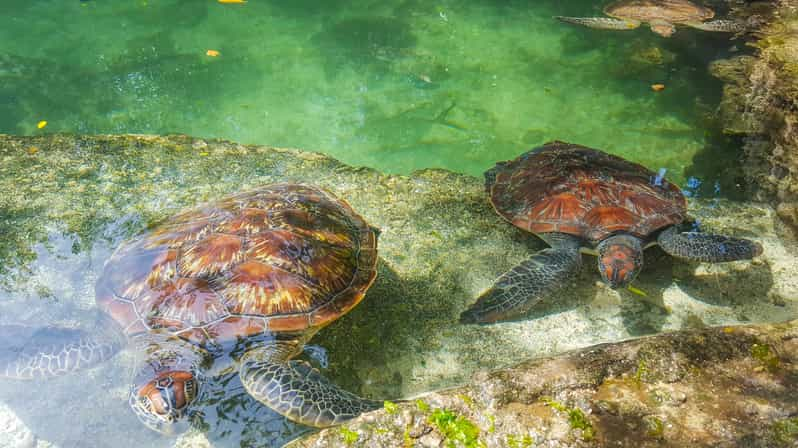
(707, 247)
(603, 23)
(299, 392)
(723, 26)
(520, 288)
(41, 352)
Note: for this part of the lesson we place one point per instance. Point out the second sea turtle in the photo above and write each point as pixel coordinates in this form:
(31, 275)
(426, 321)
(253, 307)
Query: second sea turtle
(579, 199)
(661, 15)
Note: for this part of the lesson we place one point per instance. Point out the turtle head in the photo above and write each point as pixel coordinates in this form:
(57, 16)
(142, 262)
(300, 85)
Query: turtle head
(620, 258)
(163, 392)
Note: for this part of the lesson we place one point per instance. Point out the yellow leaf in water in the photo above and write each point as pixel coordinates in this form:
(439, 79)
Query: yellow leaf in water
(212, 53)
(639, 292)
(41, 124)
(33, 150)
(232, 1)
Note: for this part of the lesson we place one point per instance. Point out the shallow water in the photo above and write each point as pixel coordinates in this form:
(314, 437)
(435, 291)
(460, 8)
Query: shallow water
(397, 86)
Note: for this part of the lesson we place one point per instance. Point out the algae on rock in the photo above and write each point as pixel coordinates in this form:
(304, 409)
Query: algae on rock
(704, 388)
(68, 203)
(760, 101)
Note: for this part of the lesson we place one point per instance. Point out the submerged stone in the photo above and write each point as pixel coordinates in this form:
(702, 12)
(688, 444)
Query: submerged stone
(704, 389)
(66, 206)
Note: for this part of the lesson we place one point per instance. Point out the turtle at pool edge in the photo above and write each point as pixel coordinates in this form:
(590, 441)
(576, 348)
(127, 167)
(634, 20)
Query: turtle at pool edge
(251, 277)
(661, 15)
(579, 199)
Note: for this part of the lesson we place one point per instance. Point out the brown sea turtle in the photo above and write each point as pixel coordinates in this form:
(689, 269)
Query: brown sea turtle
(661, 15)
(579, 199)
(246, 280)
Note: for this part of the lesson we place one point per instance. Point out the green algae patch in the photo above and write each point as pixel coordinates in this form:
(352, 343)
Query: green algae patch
(349, 436)
(766, 356)
(514, 441)
(655, 427)
(390, 407)
(576, 418)
(641, 372)
(785, 432)
(457, 429)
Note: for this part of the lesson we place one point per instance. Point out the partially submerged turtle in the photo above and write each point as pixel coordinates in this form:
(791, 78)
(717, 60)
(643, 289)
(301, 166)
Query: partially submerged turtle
(661, 15)
(248, 279)
(579, 199)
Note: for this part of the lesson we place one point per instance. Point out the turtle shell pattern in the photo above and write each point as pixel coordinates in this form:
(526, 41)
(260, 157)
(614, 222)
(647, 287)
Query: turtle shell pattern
(282, 258)
(671, 11)
(561, 187)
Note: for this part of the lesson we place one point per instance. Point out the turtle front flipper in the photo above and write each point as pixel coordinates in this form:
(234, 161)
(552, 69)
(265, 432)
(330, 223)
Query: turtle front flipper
(601, 22)
(299, 392)
(28, 353)
(707, 247)
(520, 288)
(722, 26)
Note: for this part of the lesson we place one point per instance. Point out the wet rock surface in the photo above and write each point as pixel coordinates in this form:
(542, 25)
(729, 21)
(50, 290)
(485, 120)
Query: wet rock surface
(69, 201)
(718, 387)
(759, 102)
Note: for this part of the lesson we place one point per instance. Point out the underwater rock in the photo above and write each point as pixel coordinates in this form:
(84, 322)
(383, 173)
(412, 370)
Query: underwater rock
(68, 205)
(735, 74)
(760, 100)
(724, 386)
(14, 433)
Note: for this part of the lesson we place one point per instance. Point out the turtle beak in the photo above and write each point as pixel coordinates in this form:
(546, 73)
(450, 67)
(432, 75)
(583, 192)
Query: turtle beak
(619, 273)
(163, 404)
(619, 263)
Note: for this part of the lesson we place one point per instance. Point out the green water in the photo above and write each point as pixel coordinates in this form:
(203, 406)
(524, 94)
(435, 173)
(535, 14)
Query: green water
(398, 86)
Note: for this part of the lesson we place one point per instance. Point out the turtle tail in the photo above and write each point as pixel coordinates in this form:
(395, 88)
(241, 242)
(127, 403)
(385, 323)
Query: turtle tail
(29, 353)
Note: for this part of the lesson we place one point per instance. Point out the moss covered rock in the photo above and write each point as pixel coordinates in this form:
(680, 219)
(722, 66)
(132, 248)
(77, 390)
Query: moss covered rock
(68, 201)
(760, 101)
(725, 386)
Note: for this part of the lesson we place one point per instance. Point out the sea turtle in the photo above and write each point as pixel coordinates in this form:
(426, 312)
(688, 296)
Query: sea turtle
(579, 199)
(661, 15)
(246, 280)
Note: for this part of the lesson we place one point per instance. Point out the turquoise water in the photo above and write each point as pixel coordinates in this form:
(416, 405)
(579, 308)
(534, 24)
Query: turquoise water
(398, 86)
